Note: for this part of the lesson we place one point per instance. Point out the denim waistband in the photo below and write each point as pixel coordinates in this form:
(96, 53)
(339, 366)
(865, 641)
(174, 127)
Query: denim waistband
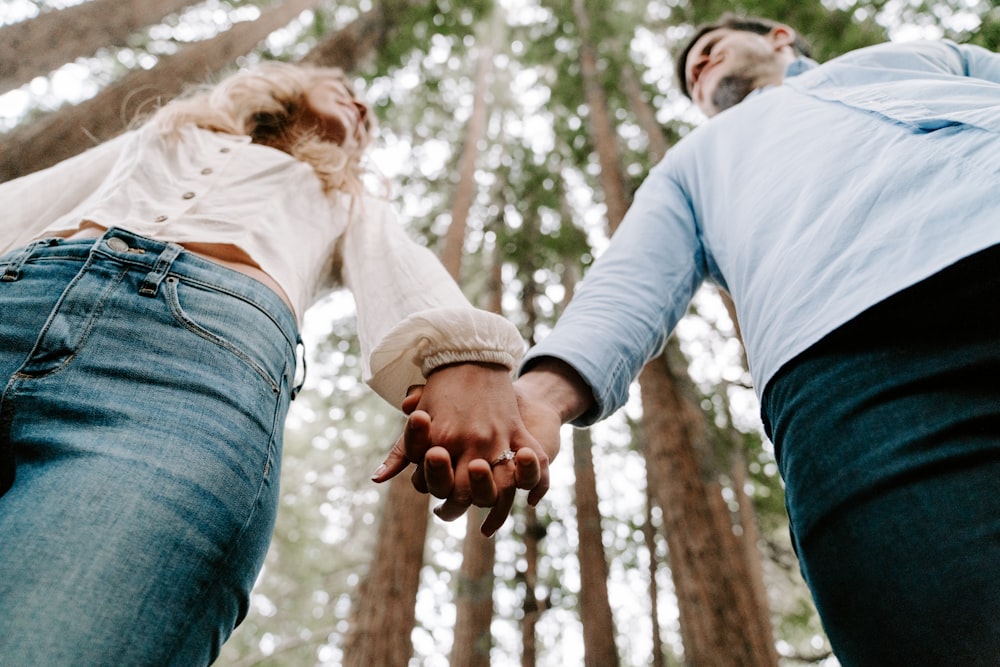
(159, 259)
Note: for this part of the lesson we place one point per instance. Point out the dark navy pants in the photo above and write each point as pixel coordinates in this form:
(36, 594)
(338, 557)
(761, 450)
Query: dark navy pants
(887, 434)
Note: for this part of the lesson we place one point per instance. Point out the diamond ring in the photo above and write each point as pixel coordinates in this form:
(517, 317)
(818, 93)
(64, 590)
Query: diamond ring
(506, 456)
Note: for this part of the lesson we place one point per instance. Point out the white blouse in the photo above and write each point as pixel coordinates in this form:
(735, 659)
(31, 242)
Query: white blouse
(209, 187)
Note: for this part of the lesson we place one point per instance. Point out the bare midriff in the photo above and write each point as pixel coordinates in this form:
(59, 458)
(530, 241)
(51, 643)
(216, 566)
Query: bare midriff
(225, 254)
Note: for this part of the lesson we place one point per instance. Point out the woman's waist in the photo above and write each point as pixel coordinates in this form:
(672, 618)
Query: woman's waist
(226, 254)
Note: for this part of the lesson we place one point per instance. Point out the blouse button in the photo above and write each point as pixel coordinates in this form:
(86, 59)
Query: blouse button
(160, 218)
(206, 171)
(187, 195)
(223, 150)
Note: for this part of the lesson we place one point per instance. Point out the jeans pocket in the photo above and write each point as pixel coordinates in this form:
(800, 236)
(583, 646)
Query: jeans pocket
(235, 325)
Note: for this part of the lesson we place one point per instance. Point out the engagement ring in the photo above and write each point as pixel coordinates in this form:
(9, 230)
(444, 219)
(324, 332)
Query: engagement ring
(506, 456)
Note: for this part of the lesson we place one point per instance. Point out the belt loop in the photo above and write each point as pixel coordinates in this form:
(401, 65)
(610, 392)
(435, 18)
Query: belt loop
(12, 271)
(163, 262)
(298, 387)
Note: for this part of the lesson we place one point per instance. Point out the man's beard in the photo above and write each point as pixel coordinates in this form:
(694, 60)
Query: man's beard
(731, 90)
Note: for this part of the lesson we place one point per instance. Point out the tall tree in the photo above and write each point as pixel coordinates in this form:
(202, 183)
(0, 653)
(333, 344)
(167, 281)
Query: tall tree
(600, 125)
(649, 536)
(474, 598)
(70, 130)
(358, 42)
(710, 491)
(403, 510)
(465, 190)
(720, 619)
(720, 623)
(595, 607)
(73, 32)
(383, 615)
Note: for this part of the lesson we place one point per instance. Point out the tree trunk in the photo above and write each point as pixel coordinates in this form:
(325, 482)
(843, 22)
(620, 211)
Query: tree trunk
(533, 607)
(723, 620)
(720, 620)
(595, 608)
(750, 542)
(601, 128)
(355, 43)
(68, 131)
(645, 113)
(474, 598)
(465, 192)
(383, 616)
(37, 46)
(649, 534)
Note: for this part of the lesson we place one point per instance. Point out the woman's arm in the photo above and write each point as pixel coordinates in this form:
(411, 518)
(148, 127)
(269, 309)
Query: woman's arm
(31, 203)
(417, 328)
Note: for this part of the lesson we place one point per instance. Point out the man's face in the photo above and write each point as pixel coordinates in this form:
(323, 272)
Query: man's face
(725, 65)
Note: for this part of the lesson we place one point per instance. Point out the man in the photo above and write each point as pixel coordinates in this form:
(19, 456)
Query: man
(852, 210)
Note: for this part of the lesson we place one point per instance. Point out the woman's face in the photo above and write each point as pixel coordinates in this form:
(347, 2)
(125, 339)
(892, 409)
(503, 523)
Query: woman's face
(341, 117)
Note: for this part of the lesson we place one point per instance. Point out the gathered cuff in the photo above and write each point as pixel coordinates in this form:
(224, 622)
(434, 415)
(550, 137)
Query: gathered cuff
(429, 339)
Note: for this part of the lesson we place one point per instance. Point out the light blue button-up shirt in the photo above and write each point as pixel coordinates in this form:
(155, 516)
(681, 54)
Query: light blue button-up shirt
(809, 202)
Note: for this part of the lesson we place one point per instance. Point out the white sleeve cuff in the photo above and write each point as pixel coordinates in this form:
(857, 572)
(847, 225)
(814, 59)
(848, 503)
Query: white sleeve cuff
(429, 339)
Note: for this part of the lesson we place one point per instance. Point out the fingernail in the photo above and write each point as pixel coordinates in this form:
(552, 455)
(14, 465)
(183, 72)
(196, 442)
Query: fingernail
(378, 472)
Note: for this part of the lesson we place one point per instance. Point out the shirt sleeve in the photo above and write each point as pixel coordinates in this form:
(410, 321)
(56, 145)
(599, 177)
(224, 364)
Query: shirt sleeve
(412, 317)
(32, 202)
(632, 297)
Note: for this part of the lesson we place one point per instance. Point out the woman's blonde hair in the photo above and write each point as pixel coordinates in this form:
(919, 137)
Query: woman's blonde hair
(268, 103)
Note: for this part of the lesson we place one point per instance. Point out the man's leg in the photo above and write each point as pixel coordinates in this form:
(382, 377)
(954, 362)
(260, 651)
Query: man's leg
(888, 436)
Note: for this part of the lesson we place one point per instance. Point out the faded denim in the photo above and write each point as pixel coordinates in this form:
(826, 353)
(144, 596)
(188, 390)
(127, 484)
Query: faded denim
(145, 391)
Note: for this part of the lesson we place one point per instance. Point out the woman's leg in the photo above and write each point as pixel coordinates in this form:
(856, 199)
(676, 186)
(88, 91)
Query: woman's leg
(143, 404)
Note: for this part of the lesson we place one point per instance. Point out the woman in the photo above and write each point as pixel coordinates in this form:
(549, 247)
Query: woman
(151, 290)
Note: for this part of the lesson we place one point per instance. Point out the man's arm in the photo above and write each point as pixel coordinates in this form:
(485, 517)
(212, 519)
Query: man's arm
(557, 385)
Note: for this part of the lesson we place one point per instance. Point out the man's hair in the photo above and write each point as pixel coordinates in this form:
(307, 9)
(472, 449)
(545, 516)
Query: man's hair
(755, 24)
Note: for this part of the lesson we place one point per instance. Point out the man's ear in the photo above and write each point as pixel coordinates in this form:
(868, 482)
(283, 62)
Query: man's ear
(781, 36)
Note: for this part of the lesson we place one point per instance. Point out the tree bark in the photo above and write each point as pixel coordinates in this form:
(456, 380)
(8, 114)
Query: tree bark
(474, 598)
(649, 535)
(595, 608)
(37, 46)
(68, 131)
(465, 191)
(600, 125)
(720, 620)
(532, 606)
(356, 43)
(750, 543)
(384, 615)
(645, 113)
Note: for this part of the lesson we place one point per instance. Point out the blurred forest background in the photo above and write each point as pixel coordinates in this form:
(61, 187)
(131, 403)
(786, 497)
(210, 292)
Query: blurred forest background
(512, 135)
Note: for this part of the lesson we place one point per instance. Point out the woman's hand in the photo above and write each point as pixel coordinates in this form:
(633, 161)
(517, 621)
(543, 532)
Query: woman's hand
(461, 424)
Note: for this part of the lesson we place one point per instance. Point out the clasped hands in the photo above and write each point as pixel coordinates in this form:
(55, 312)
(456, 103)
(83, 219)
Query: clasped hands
(461, 425)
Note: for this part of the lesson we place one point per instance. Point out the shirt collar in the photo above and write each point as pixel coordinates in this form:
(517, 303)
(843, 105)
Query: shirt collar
(800, 65)
(796, 67)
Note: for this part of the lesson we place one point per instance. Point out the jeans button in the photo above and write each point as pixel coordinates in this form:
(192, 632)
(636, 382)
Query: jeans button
(117, 244)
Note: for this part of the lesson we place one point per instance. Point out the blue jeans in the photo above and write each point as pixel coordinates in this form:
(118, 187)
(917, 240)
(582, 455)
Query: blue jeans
(145, 390)
(887, 434)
